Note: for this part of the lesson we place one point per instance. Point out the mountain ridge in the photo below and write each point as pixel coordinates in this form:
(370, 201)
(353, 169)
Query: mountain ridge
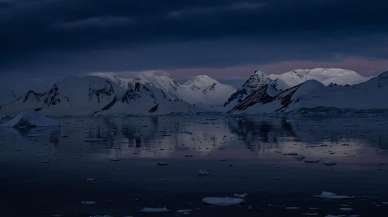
(155, 94)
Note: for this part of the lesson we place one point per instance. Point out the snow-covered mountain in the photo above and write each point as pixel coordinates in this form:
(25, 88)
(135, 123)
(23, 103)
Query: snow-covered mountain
(258, 84)
(98, 95)
(326, 76)
(150, 93)
(313, 94)
(201, 91)
(371, 94)
(205, 91)
(108, 93)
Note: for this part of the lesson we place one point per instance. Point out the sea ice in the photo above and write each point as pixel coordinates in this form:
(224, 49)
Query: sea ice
(222, 201)
(335, 215)
(88, 202)
(292, 208)
(330, 195)
(184, 211)
(162, 164)
(311, 161)
(243, 195)
(154, 210)
(203, 172)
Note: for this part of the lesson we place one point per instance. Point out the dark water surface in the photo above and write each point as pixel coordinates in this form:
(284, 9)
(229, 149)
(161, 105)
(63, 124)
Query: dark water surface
(118, 166)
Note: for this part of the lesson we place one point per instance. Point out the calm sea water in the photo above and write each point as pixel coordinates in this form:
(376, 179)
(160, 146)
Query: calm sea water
(118, 166)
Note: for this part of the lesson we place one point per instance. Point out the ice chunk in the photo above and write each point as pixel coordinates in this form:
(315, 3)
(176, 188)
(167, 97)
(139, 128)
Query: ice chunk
(162, 164)
(203, 172)
(335, 215)
(154, 210)
(329, 163)
(222, 201)
(101, 216)
(184, 211)
(312, 161)
(330, 195)
(30, 119)
(346, 209)
(243, 195)
(292, 208)
(88, 202)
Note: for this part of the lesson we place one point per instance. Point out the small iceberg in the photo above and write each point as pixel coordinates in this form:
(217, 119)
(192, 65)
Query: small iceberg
(312, 161)
(30, 119)
(335, 215)
(243, 195)
(154, 210)
(184, 211)
(346, 209)
(101, 216)
(162, 164)
(330, 195)
(203, 172)
(222, 201)
(88, 202)
(292, 208)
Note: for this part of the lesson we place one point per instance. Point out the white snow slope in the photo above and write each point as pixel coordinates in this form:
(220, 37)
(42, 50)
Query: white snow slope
(368, 95)
(201, 91)
(91, 95)
(205, 91)
(150, 93)
(258, 84)
(326, 76)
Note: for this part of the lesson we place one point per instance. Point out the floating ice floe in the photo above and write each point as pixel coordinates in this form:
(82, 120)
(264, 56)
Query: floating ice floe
(335, 215)
(243, 195)
(312, 161)
(346, 209)
(88, 202)
(154, 210)
(203, 172)
(101, 216)
(162, 164)
(222, 201)
(184, 211)
(330, 195)
(90, 180)
(30, 119)
(292, 208)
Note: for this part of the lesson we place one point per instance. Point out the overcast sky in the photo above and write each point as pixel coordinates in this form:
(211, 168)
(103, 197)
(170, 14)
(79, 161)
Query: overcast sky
(226, 39)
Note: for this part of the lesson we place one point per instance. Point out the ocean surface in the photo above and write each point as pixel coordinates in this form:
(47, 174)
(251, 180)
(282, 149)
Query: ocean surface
(168, 165)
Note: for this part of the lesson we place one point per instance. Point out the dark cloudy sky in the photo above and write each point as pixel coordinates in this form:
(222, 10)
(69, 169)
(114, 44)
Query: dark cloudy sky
(223, 38)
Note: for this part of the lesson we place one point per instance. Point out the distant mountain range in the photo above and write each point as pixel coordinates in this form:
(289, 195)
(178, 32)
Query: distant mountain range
(150, 93)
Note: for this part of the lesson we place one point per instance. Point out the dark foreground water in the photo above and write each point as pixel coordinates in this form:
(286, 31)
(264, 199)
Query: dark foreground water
(119, 166)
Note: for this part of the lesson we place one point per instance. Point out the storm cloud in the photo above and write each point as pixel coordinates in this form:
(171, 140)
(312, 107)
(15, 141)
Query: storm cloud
(62, 37)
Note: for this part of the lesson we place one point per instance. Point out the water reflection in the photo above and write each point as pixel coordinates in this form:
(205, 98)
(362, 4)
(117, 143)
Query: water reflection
(208, 137)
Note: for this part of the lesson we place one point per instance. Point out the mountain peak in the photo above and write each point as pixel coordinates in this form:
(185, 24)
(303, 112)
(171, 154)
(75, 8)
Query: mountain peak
(201, 81)
(256, 80)
(326, 76)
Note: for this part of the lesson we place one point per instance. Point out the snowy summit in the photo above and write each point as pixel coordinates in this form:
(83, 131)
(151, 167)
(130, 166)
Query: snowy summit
(326, 76)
